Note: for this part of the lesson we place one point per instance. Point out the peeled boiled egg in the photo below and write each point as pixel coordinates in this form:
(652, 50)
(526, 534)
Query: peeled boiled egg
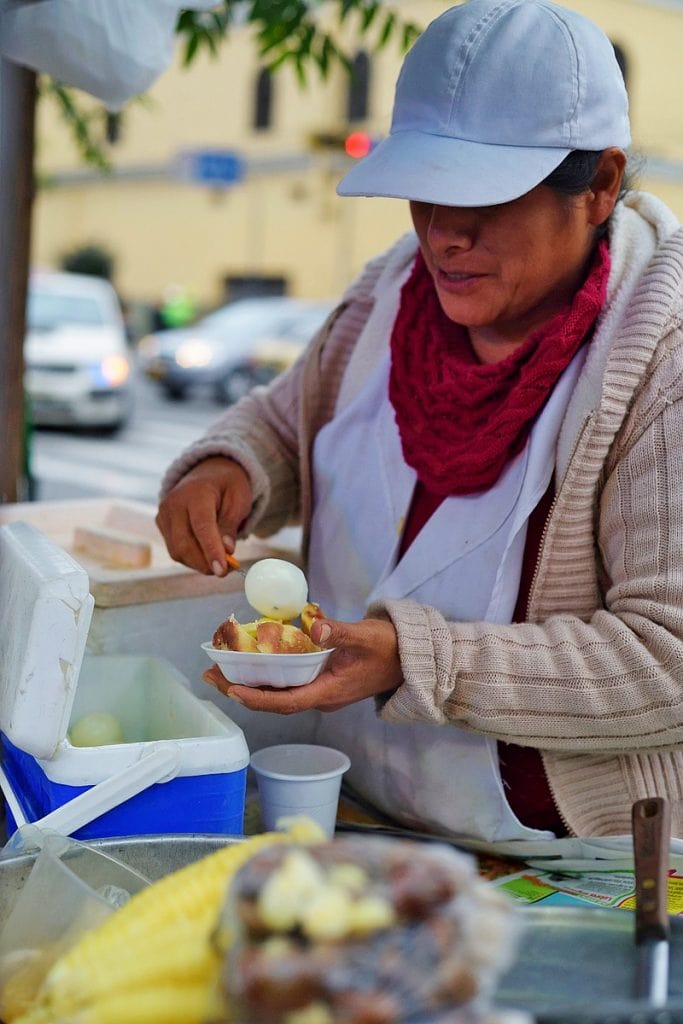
(96, 729)
(276, 589)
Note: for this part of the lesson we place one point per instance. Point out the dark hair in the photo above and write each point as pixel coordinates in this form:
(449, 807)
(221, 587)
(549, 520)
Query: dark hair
(575, 175)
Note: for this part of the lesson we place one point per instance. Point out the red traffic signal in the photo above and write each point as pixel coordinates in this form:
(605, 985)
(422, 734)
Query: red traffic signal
(358, 144)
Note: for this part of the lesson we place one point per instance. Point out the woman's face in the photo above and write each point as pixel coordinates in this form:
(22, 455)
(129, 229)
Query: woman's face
(503, 271)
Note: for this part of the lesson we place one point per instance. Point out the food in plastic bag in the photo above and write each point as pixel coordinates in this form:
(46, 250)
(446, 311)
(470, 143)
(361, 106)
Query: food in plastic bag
(362, 930)
(112, 49)
(70, 890)
(151, 961)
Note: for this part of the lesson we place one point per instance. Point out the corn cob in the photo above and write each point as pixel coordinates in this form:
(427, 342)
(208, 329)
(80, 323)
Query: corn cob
(179, 953)
(161, 1004)
(37, 1015)
(152, 960)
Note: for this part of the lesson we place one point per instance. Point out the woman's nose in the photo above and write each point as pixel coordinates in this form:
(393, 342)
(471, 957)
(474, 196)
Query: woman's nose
(451, 227)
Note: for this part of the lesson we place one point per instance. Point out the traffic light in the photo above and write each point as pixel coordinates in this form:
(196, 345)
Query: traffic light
(355, 144)
(358, 144)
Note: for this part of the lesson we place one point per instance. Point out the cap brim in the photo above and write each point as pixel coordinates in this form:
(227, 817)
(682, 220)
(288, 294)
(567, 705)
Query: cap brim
(450, 172)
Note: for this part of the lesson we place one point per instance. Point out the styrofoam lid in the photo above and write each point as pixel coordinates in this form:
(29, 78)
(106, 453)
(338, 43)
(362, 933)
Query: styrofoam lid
(45, 613)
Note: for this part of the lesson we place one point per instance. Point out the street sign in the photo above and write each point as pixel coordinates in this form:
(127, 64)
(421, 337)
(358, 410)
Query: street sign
(211, 166)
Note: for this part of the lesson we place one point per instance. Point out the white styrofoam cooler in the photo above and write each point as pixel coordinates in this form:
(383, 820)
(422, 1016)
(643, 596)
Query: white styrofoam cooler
(47, 682)
(163, 609)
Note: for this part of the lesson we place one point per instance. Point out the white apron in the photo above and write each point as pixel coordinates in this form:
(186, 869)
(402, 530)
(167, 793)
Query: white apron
(466, 562)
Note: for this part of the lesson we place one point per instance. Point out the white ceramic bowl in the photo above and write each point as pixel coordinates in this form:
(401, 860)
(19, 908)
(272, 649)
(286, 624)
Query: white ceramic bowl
(256, 669)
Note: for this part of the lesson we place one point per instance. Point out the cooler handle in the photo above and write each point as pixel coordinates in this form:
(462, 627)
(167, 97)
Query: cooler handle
(158, 766)
(11, 798)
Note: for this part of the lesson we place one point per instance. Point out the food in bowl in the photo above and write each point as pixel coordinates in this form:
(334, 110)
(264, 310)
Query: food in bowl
(267, 636)
(268, 652)
(276, 588)
(274, 650)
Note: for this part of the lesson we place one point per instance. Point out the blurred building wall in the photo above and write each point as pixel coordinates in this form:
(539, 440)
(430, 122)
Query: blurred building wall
(284, 218)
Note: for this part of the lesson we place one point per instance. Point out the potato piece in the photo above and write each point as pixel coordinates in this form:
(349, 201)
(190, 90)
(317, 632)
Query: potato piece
(277, 638)
(231, 636)
(309, 614)
(251, 626)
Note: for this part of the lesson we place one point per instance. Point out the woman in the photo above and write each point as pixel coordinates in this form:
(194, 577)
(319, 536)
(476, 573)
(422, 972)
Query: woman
(482, 446)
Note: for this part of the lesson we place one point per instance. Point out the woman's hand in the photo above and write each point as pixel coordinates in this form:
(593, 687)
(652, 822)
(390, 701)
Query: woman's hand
(365, 663)
(201, 516)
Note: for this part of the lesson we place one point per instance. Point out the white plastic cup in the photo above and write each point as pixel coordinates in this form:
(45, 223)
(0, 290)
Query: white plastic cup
(299, 779)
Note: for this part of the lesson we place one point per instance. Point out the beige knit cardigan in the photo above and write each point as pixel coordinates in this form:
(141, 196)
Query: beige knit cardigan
(594, 677)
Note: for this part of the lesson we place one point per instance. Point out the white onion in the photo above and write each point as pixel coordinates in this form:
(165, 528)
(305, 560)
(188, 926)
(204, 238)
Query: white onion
(276, 589)
(97, 729)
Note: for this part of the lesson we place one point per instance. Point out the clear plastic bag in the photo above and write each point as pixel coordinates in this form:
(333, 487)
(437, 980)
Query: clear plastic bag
(71, 888)
(363, 930)
(112, 49)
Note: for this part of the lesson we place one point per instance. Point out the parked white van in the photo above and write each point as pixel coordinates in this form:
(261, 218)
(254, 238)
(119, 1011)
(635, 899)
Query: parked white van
(77, 361)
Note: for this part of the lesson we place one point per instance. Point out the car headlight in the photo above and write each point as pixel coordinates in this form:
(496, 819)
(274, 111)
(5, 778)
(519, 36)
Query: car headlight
(194, 353)
(112, 372)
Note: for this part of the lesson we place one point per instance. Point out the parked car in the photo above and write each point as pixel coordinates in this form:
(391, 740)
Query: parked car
(209, 352)
(271, 355)
(77, 362)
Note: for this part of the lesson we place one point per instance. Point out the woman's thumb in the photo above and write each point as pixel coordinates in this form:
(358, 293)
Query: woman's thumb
(322, 632)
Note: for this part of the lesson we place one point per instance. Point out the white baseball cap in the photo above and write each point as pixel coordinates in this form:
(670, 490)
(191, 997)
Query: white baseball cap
(491, 98)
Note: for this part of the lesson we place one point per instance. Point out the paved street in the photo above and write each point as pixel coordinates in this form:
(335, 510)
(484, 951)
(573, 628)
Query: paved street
(69, 464)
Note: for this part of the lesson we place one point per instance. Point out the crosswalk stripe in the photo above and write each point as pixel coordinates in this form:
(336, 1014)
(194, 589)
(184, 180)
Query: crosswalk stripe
(97, 478)
(130, 463)
(101, 454)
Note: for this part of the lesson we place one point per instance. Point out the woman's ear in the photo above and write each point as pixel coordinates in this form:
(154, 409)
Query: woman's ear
(605, 186)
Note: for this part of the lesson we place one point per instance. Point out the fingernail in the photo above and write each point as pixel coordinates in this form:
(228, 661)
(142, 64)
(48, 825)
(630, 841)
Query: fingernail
(217, 568)
(234, 697)
(229, 541)
(324, 633)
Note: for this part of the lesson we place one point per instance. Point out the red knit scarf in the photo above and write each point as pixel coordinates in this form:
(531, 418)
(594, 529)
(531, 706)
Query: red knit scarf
(461, 421)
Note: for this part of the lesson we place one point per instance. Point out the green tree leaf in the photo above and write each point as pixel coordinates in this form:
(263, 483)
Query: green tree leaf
(287, 32)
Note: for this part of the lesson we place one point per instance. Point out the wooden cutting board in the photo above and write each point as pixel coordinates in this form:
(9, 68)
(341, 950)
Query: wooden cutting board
(127, 533)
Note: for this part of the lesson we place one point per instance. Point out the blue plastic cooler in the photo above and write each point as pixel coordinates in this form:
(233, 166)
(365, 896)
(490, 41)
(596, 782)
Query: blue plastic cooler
(47, 683)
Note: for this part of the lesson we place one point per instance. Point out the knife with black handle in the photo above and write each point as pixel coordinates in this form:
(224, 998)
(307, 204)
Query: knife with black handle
(651, 824)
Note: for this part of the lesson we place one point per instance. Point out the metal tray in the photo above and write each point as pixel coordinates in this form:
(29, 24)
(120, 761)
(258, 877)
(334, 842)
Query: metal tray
(574, 966)
(577, 966)
(153, 856)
